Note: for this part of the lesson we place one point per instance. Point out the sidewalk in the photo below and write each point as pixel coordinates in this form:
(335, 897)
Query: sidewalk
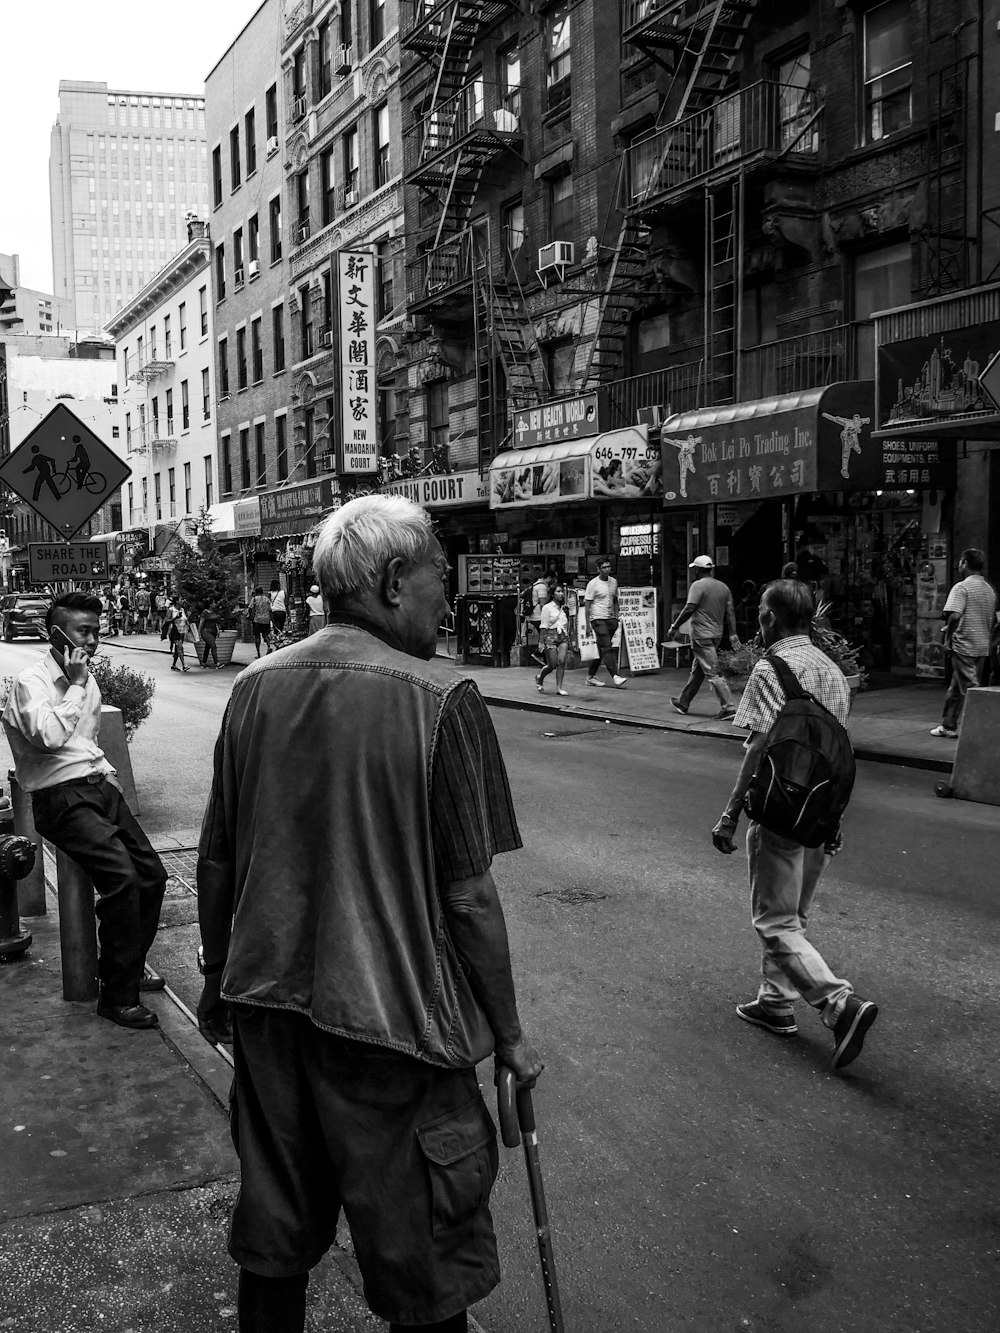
(890, 725)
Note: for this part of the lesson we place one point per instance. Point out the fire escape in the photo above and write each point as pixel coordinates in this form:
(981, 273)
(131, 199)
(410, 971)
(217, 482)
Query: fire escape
(946, 249)
(463, 124)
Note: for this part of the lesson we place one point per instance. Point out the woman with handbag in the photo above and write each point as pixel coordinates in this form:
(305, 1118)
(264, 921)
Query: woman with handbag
(554, 636)
(260, 618)
(180, 629)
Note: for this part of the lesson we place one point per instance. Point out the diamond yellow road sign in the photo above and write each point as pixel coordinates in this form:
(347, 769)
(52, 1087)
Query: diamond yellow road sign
(64, 471)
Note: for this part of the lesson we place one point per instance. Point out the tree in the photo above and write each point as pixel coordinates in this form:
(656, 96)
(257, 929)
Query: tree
(204, 577)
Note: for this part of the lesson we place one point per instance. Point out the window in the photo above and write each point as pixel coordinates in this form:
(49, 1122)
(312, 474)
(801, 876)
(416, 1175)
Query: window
(238, 257)
(206, 395)
(115, 432)
(152, 343)
(227, 465)
(256, 351)
(220, 271)
(512, 224)
(185, 407)
(274, 225)
(223, 367)
(881, 281)
(562, 215)
(309, 441)
(326, 185)
(156, 417)
(128, 430)
(328, 302)
(253, 244)
(351, 166)
(271, 111)
(167, 350)
(305, 322)
(383, 261)
(258, 435)
(145, 500)
(203, 310)
(250, 137)
(182, 328)
(509, 60)
(234, 157)
(324, 61)
(281, 445)
(380, 126)
(559, 58)
(376, 21)
(171, 489)
(245, 458)
(187, 488)
(795, 105)
(437, 413)
(241, 358)
(888, 69)
(217, 176)
(169, 396)
(158, 495)
(346, 34)
(302, 203)
(386, 418)
(278, 337)
(299, 84)
(131, 504)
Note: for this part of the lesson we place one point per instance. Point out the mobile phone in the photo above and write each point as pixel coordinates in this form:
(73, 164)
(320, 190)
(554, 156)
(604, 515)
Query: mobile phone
(56, 634)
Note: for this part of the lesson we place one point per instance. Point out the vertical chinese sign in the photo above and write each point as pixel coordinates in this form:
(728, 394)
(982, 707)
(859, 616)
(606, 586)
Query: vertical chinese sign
(356, 292)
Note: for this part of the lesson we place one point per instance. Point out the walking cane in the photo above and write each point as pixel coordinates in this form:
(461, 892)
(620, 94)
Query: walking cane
(517, 1117)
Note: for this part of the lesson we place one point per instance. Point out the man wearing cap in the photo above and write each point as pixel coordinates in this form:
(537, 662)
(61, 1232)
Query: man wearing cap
(317, 614)
(709, 607)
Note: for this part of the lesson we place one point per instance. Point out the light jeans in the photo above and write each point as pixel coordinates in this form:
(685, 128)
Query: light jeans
(783, 880)
(705, 666)
(964, 677)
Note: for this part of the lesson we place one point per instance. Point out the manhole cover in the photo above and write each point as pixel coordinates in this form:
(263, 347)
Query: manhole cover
(571, 897)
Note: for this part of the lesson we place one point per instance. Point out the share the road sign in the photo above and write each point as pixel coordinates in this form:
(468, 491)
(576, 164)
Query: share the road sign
(64, 471)
(85, 562)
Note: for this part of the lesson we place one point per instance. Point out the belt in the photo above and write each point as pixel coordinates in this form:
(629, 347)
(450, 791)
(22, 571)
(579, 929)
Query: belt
(91, 780)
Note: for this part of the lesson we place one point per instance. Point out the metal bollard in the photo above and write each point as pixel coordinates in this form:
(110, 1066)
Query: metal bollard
(31, 889)
(77, 930)
(17, 856)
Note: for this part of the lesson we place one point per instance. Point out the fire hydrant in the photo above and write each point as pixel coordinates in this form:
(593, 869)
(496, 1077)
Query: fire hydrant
(17, 856)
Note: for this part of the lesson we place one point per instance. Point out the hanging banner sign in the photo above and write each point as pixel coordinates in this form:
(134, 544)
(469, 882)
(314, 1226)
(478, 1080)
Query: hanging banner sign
(637, 610)
(356, 331)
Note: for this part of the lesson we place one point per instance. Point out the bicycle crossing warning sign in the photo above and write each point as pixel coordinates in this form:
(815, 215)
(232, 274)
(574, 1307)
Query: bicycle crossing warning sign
(64, 471)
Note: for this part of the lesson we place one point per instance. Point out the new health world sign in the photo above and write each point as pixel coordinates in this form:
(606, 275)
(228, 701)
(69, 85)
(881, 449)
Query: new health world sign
(356, 330)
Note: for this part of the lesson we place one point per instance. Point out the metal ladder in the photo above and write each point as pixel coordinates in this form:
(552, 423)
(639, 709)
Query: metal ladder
(723, 289)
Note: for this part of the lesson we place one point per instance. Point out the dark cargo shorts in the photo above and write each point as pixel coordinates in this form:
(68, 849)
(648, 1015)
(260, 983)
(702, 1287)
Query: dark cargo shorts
(408, 1150)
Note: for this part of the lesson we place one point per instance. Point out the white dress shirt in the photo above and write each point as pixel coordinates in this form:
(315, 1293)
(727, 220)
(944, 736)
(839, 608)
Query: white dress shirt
(52, 727)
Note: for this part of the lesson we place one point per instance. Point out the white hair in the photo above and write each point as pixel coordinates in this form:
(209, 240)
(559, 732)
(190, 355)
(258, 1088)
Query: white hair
(358, 541)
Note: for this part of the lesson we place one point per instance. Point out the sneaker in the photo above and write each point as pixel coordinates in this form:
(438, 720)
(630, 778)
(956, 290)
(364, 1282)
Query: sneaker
(592, 680)
(538, 685)
(562, 691)
(726, 712)
(782, 1025)
(681, 708)
(948, 732)
(852, 1026)
(620, 682)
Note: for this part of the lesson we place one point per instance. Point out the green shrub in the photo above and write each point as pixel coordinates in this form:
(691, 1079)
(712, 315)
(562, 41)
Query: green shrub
(204, 577)
(121, 687)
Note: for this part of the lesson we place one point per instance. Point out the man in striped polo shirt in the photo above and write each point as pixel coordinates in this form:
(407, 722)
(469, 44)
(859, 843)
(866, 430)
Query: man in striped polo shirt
(970, 612)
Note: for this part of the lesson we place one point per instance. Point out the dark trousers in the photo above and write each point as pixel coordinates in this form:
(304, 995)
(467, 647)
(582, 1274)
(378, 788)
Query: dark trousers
(209, 636)
(604, 632)
(92, 824)
(278, 620)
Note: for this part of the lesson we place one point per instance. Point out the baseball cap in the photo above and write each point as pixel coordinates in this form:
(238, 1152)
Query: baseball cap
(702, 562)
(314, 588)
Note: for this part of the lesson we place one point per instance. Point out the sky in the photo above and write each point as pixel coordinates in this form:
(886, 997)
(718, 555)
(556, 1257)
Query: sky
(167, 48)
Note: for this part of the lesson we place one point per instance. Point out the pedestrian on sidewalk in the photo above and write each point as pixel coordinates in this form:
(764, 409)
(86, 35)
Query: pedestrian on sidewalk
(539, 598)
(970, 612)
(52, 721)
(784, 875)
(178, 632)
(260, 619)
(600, 604)
(141, 609)
(317, 612)
(710, 609)
(208, 632)
(368, 974)
(554, 632)
(278, 612)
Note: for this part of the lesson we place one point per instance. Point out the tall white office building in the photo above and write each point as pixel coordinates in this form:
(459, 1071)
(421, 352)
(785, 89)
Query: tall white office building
(124, 169)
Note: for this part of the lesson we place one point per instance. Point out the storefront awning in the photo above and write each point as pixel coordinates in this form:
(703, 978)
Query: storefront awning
(223, 519)
(816, 440)
(616, 465)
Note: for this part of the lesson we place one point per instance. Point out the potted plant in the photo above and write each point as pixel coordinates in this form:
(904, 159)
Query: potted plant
(204, 577)
(837, 648)
(131, 692)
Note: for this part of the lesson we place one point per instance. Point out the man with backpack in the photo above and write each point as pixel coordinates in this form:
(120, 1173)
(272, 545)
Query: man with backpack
(796, 778)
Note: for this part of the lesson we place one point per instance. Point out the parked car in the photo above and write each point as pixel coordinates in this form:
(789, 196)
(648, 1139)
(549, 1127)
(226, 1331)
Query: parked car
(23, 613)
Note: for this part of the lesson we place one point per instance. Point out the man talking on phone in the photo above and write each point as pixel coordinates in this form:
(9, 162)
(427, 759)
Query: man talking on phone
(52, 721)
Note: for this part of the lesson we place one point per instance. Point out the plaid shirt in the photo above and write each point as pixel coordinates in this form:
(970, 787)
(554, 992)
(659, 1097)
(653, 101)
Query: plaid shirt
(763, 698)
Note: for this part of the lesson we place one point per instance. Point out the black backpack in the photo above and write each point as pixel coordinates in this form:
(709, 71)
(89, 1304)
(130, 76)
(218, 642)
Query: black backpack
(806, 773)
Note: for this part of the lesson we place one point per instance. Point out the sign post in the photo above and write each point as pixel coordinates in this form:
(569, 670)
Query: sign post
(63, 471)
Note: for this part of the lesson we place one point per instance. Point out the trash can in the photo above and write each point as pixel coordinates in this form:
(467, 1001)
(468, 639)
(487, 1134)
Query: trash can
(486, 627)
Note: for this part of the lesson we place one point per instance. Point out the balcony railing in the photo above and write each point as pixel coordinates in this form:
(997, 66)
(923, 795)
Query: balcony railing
(424, 24)
(765, 119)
(445, 268)
(786, 365)
(662, 16)
(478, 107)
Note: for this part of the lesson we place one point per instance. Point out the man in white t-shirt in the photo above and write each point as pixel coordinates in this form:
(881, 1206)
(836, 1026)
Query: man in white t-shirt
(600, 604)
(970, 612)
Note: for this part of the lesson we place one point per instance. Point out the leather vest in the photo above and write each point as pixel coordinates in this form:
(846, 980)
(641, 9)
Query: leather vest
(329, 752)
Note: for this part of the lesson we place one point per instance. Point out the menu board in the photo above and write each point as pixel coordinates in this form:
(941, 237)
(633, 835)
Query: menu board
(637, 609)
(492, 573)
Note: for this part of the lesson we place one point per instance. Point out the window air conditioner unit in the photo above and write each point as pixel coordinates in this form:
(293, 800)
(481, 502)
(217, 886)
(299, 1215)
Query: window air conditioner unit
(302, 232)
(298, 107)
(326, 338)
(343, 65)
(272, 145)
(648, 416)
(554, 259)
(254, 267)
(351, 198)
(238, 278)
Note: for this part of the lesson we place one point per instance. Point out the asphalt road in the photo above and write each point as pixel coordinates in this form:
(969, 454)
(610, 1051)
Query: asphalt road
(702, 1174)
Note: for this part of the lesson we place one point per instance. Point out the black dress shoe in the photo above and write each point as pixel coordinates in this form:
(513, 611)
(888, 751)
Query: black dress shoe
(128, 1015)
(152, 983)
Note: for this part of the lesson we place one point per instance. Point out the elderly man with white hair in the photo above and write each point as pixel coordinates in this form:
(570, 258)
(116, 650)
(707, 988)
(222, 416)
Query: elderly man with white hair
(351, 924)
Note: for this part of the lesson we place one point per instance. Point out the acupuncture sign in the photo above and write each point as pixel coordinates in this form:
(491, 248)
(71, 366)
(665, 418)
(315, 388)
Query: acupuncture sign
(64, 471)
